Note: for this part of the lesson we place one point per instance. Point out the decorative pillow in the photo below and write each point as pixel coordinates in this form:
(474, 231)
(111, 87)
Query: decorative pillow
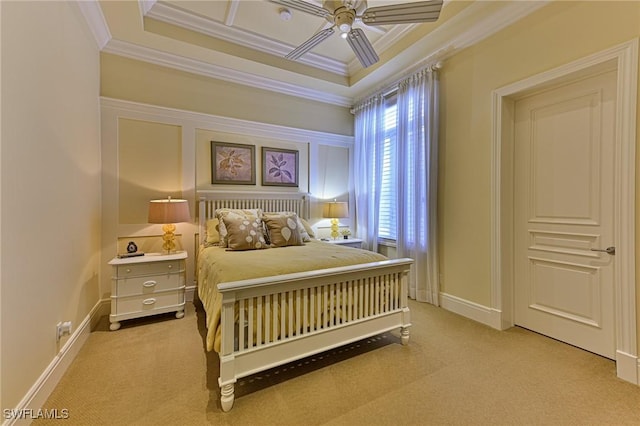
(283, 229)
(307, 228)
(213, 235)
(244, 233)
(304, 234)
(238, 213)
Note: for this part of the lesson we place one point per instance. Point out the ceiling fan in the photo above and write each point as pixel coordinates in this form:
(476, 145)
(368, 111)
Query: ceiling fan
(343, 13)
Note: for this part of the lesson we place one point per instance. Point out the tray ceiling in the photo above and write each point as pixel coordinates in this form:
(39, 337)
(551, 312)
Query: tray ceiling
(245, 41)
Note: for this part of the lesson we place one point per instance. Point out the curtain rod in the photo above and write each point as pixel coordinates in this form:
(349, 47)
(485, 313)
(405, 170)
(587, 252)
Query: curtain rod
(434, 61)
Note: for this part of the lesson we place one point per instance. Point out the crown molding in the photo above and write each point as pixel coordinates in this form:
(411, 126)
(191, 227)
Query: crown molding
(95, 19)
(489, 25)
(172, 15)
(145, 6)
(165, 59)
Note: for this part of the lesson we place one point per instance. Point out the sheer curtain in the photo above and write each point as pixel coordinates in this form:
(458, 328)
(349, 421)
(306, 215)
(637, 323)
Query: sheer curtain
(417, 144)
(369, 140)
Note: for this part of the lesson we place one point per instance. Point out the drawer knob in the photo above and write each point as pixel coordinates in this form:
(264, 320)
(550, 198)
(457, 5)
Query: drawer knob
(150, 301)
(170, 266)
(128, 270)
(149, 284)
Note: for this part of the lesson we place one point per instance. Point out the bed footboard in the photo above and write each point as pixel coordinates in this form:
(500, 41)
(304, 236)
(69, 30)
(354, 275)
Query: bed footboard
(271, 321)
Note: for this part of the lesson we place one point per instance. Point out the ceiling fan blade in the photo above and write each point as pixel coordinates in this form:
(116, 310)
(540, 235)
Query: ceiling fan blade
(405, 13)
(362, 47)
(303, 6)
(317, 38)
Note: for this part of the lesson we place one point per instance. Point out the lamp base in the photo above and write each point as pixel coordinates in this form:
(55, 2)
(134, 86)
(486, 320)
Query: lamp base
(169, 238)
(334, 229)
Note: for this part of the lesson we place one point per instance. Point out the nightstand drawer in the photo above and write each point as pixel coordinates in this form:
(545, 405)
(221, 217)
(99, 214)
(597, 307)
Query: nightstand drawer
(150, 302)
(148, 285)
(151, 268)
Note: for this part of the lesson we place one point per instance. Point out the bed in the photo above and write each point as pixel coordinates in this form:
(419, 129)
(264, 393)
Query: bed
(262, 312)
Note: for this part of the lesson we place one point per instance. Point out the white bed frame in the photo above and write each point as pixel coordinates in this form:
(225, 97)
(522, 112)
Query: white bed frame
(375, 295)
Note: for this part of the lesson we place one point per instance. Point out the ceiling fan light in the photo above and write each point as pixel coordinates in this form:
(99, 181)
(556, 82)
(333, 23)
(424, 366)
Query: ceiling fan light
(344, 35)
(344, 20)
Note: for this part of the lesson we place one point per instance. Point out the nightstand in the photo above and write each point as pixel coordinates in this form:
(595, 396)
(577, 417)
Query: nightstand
(147, 285)
(349, 242)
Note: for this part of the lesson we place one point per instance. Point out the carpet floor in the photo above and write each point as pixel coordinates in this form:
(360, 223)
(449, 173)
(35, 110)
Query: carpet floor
(155, 371)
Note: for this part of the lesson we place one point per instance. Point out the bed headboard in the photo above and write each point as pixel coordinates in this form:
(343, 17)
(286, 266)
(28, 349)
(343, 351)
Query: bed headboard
(210, 201)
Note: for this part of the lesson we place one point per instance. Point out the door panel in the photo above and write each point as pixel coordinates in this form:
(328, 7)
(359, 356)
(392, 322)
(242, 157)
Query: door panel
(564, 156)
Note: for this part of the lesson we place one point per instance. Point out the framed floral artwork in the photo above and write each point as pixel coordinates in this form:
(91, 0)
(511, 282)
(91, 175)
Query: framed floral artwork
(233, 163)
(279, 167)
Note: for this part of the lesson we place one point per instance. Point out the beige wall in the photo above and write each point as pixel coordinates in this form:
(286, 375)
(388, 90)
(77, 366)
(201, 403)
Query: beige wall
(555, 35)
(50, 176)
(149, 166)
(128, 79)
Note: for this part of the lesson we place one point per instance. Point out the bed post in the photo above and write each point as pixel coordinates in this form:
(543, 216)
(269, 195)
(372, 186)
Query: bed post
(227, 396)
(227, 378)
(406, 314)
(202, 219)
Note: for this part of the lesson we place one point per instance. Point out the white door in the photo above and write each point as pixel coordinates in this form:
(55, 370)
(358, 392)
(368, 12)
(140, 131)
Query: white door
(563, 210)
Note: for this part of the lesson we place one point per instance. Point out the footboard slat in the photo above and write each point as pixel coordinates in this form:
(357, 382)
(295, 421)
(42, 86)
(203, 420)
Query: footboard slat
(319, 294)
(251, 327)
(241, 324)
(305, 311)
(259, 315)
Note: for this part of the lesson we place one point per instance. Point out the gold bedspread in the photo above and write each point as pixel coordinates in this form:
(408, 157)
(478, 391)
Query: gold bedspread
(217, 265)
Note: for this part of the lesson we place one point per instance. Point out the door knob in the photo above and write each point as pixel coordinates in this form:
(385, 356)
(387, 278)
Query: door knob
(608, 250)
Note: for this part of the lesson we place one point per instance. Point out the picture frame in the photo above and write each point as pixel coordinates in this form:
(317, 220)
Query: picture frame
(233, 163)
(279, 167)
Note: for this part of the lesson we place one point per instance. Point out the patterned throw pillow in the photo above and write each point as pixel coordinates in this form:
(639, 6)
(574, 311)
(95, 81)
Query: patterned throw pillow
(308, 228)
(237, 213)
(283, 229)
(304, 233)
(244, 233)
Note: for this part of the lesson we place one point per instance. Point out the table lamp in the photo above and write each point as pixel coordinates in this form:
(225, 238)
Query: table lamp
(335, 210)
(168, 212)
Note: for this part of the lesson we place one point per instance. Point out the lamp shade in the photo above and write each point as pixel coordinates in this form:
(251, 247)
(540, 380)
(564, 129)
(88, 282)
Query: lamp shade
(335, 209)
(169, 211)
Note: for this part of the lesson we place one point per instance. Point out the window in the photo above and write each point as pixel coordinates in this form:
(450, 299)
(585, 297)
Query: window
(388, 194)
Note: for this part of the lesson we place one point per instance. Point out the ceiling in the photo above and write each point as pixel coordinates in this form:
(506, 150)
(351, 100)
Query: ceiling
(245, 41)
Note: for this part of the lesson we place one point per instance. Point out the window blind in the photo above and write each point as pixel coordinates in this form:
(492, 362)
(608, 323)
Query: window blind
(388, 196)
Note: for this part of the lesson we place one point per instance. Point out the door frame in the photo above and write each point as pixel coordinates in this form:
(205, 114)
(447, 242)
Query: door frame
(625, 57)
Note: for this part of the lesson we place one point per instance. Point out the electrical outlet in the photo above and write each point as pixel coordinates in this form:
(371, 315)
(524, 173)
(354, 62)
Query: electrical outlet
(62, 329)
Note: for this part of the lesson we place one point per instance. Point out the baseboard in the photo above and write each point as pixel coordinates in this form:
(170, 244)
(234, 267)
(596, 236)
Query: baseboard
(627, 367)
(189, 293)
(471, 310)
(30, 407)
